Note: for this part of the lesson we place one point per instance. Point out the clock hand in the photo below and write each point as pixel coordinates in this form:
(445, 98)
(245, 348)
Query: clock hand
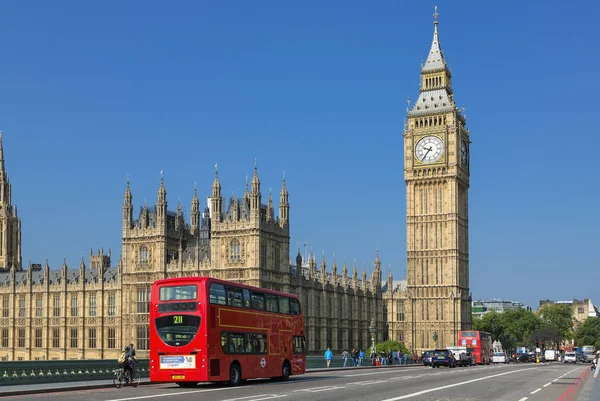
(428, 150)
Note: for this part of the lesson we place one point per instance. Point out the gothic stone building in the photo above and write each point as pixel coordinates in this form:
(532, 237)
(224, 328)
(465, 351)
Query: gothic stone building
(92, 312)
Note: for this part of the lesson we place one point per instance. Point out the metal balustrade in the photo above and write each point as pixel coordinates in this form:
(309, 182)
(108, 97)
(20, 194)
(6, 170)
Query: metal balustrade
(32, 372)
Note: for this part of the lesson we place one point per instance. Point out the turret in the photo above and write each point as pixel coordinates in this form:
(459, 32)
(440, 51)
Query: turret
(46, 273)
(345, 275)
(82, 271)
(312, 267)
(298, 264)
(195, 214)
(284, 206)
(334, 275)
(376, 275)
(255, 196)
(127, 208)
(323, 270)
(216, 199)
(161, 204)
(179, 218)
(364, 279)
(270, 212)
(355, 277)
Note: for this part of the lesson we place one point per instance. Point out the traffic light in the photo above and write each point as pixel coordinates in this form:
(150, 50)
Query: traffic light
(543, 346)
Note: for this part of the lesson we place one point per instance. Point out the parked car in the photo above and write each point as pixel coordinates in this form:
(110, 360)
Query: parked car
(499, 357)
(570, 356)
(442, 357)
(523, 358)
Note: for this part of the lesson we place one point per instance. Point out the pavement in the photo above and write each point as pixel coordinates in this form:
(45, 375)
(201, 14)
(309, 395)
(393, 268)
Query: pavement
(591, 389)
(24, 389)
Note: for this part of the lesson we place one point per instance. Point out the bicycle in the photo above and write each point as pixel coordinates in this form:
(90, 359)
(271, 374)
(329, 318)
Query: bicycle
(120, 378)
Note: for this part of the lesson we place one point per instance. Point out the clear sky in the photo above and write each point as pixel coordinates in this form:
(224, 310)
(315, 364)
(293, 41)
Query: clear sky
(93, 92)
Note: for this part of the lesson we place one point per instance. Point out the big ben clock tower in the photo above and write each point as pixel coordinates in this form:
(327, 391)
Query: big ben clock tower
(436, 172)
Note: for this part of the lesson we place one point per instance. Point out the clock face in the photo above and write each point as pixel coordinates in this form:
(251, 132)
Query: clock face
(429, 149)
(464, 154)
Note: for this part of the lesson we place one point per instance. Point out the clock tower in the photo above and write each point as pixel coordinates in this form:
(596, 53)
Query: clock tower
(436, 172)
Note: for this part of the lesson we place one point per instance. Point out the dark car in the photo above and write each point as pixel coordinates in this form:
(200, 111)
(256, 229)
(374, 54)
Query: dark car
(442, 357)
(426, 357)
(522, 357)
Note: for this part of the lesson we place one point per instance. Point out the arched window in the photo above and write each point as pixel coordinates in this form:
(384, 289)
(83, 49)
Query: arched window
(144, 255)
(235, 249)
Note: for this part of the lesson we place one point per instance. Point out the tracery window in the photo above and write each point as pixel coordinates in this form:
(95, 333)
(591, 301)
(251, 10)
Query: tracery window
(144, 255)
(235, 249)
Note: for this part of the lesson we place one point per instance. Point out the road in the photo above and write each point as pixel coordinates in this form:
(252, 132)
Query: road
(522, 382)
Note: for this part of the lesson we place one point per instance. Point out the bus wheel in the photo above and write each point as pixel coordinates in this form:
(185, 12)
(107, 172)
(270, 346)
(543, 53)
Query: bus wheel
(285, 371)
(235, 375)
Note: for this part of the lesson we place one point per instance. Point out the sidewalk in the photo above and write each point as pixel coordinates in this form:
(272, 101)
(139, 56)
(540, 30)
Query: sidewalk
(591, 389)
(24, 389)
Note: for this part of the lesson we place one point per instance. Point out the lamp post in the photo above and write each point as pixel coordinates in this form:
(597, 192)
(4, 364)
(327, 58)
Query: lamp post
(373, 331)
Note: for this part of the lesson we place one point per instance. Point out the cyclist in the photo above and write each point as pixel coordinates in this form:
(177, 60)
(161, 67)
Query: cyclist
(126, 363)
(132, 360)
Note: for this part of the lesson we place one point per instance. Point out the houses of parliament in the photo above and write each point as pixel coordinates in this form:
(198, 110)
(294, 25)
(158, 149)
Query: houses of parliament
(92, 310)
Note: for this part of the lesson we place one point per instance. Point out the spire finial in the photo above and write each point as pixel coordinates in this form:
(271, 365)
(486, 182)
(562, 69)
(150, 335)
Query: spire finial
(435, 15)
(161, 176)
(127, 180)
(216, 170)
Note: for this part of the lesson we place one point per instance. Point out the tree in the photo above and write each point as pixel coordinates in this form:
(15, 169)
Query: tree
(588, 333)
(548, 334)
(491, 322)
(517, 325)
(390, 345)
(560, 316)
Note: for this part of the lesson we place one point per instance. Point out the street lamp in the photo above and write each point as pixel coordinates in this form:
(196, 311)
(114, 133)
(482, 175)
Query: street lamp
(373, 331)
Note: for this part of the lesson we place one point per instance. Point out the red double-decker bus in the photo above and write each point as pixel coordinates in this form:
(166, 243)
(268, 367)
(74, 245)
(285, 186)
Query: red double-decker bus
(208, 330)
(479, 343)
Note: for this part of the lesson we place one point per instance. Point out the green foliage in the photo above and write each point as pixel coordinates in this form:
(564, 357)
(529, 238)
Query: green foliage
(588, 333)
(547, 333)
(389, 345)
(559, 316)
(512, 327)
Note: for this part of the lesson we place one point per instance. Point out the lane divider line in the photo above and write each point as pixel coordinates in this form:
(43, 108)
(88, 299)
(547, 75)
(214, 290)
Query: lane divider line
(523, 399)
(535, 391)
(403, 397)
(547, 384)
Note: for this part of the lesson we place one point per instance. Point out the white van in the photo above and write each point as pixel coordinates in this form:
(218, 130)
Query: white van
(460, 354)
(550, 355)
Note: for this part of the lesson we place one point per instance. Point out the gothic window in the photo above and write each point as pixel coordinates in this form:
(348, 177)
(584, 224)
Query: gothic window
(38, 338)
(74, 337)
(112, 305)
(235, 250)
(22, 307)
(143, 334)
(92, 338)
(21, 338)
(56, 306)
(112, 338)
(39, 311)
(263, 256)
(4, 338)
(277, 257)
(55, 338)
(143, 299)
(74, 306)
(5, 306)
(144, 255)
(93, 305)
(400, 311)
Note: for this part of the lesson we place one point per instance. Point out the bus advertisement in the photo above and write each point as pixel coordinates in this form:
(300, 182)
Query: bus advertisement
(208, 330)
(478, 343)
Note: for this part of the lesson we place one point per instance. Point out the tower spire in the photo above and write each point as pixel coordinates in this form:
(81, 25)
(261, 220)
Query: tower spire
(435, 59)
(1, 155)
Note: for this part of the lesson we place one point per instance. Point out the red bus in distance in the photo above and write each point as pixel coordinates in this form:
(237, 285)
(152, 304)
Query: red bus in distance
(479, 343)
(208, 330)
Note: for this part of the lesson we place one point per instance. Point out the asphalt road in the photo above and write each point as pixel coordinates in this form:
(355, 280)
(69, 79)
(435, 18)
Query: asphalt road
(531, 382)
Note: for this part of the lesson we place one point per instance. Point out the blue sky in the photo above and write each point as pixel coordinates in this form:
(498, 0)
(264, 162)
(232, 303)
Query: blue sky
(92, 92)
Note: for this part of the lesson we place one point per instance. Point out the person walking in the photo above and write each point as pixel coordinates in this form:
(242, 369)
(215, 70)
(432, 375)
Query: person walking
(361, 357)
(328, 356)
(345, 355)
(354, 356)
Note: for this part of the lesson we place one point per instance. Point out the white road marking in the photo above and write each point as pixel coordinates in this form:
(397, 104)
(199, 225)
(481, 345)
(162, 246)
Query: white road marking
(403, 397)
(547, 384)
(555, 380)
(319, 389)
(367, 382)
(523, 399)
(174, 394)
(535, 391)
(260, 397)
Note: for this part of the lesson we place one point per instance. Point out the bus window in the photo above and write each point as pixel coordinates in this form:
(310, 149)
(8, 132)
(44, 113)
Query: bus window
(271, 302)
(299, 345)
(217, 294)
(178, 292)
(294, 306)
(234, 297)
(247, 301)
(258, 301)
(284, 305)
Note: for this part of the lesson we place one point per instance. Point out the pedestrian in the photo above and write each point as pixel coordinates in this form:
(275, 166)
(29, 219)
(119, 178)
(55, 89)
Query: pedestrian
(328, 356)
(361, 357)
(597, 367)
(345, 355)
(400, 357)
(354, 356)
(373, 357)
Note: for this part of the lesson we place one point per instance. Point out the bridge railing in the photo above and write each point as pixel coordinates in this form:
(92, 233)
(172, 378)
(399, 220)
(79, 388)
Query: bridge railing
(33, 372)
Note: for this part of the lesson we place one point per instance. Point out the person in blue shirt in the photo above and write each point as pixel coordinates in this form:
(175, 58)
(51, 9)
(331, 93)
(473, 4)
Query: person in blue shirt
(328, 356)
(361, 357)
